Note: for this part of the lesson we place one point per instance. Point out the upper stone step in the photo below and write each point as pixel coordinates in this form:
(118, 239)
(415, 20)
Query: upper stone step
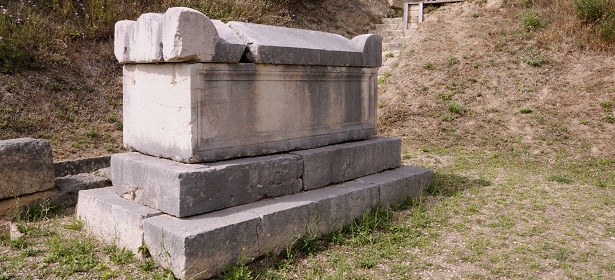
(393, 20)
(187, 35)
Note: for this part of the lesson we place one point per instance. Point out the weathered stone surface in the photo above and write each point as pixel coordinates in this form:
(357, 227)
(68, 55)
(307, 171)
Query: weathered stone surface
(231, 47)
(183, 35)
(399, 184)
(70, 185)
(280, 45)
(209, 112)
(113, 219)
(339, 205)
(26, 166)
(178, 35)
(182, 190)
(342, 162)
(245, 232)
(283, 221)
(199, 247)
(121, 40)
(10, 207)
(188, 35)
(370, 46)
(146, 40)
(86, 165)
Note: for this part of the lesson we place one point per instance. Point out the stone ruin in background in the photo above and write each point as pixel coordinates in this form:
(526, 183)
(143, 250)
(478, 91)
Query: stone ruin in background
(245, 138)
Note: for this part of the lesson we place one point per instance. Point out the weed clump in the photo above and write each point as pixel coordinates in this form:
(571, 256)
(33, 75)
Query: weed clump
(531, 20)
(599, 14)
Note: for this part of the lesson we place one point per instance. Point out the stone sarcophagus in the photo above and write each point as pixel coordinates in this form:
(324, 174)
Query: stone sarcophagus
(247, 90)
(247, 137)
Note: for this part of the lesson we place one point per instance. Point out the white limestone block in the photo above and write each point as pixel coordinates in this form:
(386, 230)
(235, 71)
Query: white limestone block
(121, 44)
(188, 35)
(146, 39)
(206, 112)
(113, 219)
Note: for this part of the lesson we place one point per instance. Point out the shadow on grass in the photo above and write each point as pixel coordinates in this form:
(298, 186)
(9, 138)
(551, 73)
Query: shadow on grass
(361, 232)
(452, 184)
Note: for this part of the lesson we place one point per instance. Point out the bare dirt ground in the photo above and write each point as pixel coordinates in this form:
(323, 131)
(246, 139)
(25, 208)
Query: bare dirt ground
(477, 55)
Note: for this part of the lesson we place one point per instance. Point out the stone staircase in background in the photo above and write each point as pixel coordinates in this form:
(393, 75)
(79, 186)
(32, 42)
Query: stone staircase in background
(393, 38)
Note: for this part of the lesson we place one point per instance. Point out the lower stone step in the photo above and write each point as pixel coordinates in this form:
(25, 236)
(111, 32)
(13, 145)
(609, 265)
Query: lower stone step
(201, 246)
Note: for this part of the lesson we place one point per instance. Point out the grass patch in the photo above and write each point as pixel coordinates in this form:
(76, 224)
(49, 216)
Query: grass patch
(71, 255)
(607, 105)
(560, 179)
(383, 78)
(455, 108)
(531, 20)
(525, 110)
(535, 59)
(428, 65)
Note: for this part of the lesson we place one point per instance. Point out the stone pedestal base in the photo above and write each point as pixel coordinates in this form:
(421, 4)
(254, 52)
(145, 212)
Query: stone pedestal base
(201, 246)
(196, 219)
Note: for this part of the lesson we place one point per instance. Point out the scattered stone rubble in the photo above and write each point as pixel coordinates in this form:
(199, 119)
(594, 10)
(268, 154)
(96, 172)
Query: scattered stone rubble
(29, 175)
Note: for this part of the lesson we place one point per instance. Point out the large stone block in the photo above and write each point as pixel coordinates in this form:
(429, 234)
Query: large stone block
(199, 247)
(188, 35)
(113, 219)
(26, 166)
(182, 190)
(209, 112)
(280, 45)
(342, 162)
(339, 205)
(397, 185)
(283, 221)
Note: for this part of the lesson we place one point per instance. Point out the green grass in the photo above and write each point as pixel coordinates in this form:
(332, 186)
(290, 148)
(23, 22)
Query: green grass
(428, 65)
(532, 20)
(497, 211)
(525, 110)
(383, 78)
(535, 59)
(455, 108)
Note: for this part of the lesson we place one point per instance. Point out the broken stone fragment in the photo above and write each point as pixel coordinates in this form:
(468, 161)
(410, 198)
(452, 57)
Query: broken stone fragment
(146, 39)
(178, 35)
(280, 45)
(121, 44)
(231, 47)
(188, 35)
